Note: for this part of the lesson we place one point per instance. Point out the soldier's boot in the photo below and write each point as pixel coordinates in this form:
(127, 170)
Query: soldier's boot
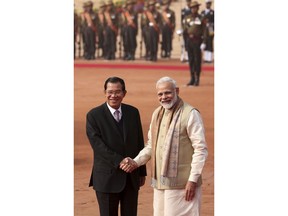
(133, 55)
(192, 80)
(168, 55)
(153, 56)
(197, 79)
(129, 56)
(148, 55)
(125, 57)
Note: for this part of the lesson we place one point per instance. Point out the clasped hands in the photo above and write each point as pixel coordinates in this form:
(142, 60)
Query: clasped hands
(128, 165)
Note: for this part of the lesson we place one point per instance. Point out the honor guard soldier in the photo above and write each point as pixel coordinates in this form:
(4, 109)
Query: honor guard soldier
(185, 12)
(144, 32)
(111, 30)
(88, 24)
(123, 28)
(76, 29)
(167, 27)
(208, 16)
(100, 27)
(195, 29)
(153, 22)
(130, 24)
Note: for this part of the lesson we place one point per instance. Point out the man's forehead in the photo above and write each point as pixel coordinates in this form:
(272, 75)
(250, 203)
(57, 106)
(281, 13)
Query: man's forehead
(114, 85)
(164, 86)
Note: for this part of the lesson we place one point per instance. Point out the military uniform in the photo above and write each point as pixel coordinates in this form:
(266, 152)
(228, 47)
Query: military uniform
(167, 28)
(195, 29)
(129, 30)
(208, 16)
(152, 21)
(111, 30)
(76, 30)
(185, 12)
(100, 25)
(144, 32)
(88, 25)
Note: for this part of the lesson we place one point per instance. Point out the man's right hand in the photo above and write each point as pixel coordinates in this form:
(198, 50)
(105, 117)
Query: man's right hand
(128, 165)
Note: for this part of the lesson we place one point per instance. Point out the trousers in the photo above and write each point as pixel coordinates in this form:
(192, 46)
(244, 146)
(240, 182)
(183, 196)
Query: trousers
(173, 203)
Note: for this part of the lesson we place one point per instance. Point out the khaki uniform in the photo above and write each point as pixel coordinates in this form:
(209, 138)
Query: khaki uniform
(88, 27)
(100, 26)
(167, 28)
(195, 29)
(151, 21)
(76, 30)
(111, 32)
(129, 30)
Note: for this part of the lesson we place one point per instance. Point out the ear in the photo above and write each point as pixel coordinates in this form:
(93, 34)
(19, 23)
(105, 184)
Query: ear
(177, 90)
(124, 93)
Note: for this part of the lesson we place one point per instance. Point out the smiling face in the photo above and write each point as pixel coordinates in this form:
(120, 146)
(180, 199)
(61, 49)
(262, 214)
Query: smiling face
(167, 94)
(114, 94)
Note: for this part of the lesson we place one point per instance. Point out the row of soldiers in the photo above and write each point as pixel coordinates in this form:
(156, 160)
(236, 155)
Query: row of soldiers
(102, 28)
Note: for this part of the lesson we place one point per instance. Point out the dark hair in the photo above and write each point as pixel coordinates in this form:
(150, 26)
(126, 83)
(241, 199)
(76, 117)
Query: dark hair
(115, 80)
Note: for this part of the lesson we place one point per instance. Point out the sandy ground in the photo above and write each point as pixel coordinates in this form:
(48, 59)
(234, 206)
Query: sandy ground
(140, 85)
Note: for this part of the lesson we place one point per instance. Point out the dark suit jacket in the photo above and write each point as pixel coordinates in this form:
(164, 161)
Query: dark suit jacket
(110, 147)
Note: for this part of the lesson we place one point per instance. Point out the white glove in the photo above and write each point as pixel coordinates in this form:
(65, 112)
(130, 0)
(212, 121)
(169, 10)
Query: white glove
(202, 47)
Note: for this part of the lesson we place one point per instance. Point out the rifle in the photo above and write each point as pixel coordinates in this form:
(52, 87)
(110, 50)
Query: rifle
(141, 43)
(79, 43)
(120, 46)
(180, 38)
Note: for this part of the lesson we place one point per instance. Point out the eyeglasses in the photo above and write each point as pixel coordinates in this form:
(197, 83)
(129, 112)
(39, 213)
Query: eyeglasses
(117, 93)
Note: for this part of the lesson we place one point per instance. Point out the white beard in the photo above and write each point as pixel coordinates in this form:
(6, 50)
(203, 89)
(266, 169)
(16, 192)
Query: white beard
(169, 105)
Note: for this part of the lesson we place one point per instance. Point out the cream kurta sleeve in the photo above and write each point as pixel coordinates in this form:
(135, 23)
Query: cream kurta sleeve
(196, 133)
(145, 154)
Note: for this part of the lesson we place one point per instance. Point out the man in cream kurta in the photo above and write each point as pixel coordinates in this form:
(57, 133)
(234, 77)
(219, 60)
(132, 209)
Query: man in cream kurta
(178, 125)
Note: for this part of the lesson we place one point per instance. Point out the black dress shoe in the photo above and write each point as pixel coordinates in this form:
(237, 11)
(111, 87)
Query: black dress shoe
(129, 57)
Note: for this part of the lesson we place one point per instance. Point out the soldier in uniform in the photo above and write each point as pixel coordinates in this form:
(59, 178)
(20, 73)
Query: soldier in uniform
(130, 24)
(89, 30)
(185, 12)
(76, 30)
(100, 27)
(82, 27)
(111, 30)
(144, 31)
(208, 16)
(123, 29)
(167, 27)
(153, 22)
(195, 29)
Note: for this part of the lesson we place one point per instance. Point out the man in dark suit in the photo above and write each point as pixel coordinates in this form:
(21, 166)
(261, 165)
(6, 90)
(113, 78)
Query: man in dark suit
(115, 132)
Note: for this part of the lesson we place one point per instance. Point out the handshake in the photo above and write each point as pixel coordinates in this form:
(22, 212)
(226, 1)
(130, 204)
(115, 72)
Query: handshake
(128, 165)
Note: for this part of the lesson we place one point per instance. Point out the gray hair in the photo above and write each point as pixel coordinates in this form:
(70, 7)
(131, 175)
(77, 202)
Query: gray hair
(166, 79)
